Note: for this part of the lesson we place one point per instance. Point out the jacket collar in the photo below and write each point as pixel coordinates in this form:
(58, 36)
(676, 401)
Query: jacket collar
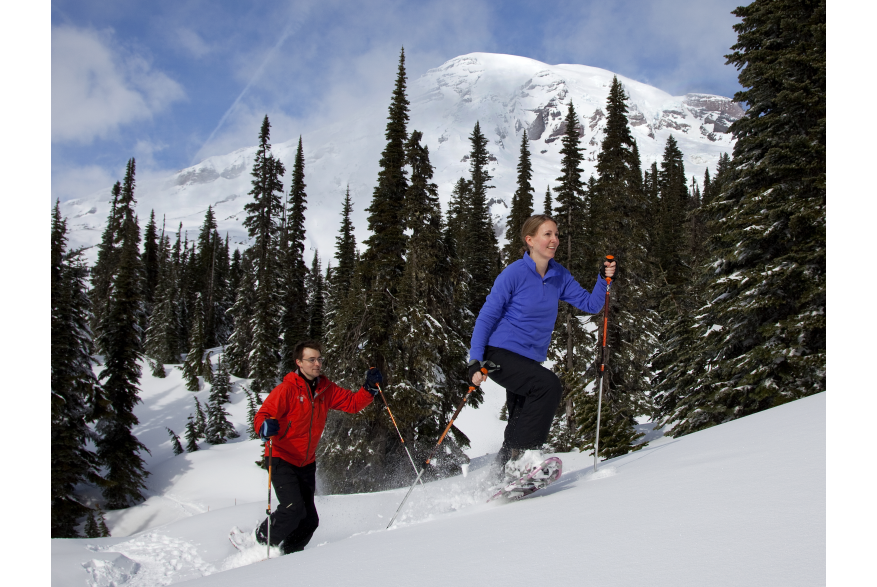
(297, 377)
(552, 266)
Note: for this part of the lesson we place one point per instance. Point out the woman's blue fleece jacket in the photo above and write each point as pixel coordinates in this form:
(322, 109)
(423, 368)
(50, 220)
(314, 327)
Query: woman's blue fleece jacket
(521, 309)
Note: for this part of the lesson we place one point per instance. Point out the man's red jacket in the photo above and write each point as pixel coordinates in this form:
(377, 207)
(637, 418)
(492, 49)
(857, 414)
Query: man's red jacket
(302, 418)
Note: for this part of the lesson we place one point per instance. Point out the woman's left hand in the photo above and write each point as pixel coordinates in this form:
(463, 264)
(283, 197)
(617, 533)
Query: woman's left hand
(608, 269)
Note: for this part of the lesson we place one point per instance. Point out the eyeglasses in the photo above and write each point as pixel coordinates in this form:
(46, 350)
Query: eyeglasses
(313, 360)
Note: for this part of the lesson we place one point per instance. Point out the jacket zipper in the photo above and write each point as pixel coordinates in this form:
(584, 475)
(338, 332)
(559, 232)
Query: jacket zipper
(311, 428)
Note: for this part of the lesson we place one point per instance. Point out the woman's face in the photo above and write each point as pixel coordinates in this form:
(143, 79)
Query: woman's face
(544, 243)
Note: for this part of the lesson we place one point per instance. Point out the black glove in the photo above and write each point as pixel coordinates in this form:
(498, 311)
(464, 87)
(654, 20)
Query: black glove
(270, 427)
(476, 366)
(372, 378)
(611, 259)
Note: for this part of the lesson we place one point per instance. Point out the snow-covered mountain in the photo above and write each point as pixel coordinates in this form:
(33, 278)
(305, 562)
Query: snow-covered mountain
(505, 93)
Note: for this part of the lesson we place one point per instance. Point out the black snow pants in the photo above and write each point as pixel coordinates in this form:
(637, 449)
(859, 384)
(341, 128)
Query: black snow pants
(532, 396)
(294, 520)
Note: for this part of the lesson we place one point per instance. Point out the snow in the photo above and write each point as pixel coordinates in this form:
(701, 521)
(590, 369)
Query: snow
(738, 504)
(505, 93)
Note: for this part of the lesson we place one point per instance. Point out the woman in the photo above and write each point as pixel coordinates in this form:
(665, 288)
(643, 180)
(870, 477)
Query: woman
(512, 334)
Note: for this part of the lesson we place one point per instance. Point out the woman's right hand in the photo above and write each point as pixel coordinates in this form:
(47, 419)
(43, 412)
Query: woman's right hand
(477, 374)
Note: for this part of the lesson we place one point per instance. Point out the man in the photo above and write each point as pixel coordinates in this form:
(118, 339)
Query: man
(293, 417)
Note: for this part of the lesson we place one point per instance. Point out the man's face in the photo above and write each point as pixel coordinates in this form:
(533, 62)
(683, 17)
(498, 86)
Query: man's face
(311, 364)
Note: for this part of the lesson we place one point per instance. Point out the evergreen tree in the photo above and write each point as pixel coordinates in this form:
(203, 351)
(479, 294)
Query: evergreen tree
(571, 338)
(175, 442)
(480, 249)
(546, 205)
(237, 351)
(294, 323)
(251, 414)
(162, 336)
(107, 260)
(345, 248)
(150, 262)
(219, 429)
(120, 337)
(200, 419)
(191, 435)
(73, 384)
(384, 258)
(459, 212)
(262, 224)
(763, 334)
(618, 212)
(522, 205)
(91, 529)
(672, 238)
(103, 531)
(194, 365)
(316, 302)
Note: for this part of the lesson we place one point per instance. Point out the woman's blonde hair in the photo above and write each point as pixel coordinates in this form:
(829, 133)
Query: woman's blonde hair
(531, 227)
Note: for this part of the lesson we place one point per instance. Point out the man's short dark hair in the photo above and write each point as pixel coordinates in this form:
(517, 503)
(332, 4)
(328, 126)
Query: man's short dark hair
(307, 344)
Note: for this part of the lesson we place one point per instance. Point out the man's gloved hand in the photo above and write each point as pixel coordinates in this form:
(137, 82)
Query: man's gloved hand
(270, 427)
(372, 378)
(476, 366)
(608, 267)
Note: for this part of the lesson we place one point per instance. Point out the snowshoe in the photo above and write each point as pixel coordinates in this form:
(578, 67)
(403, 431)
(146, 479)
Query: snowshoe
(242, 540)
(538, 477)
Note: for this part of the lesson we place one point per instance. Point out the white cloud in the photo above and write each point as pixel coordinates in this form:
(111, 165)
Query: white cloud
(96, 87)
(77, 182)
(192, 42)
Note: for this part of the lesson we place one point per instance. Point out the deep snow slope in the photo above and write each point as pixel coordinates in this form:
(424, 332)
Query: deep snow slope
(738, 504)
(505, 93)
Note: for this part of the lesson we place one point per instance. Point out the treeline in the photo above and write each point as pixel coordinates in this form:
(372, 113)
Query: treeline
(717, 311)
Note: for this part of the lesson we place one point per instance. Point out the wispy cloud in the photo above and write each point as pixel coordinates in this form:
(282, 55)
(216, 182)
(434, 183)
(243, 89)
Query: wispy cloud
(192, 42)
(97, 86)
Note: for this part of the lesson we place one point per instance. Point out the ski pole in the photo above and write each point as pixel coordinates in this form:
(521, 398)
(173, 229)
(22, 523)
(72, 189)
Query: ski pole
(270, 463)
(386, 405)
(448, 427)
(603, 359)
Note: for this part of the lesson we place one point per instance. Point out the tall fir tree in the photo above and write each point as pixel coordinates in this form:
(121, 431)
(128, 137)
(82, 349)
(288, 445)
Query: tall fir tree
(151, 262)
(121, 339)
(262, 224)
(522, 204)
(546, 203)
(763, 334)
(384, 258)
(618, 216)
(316, 300)
(480, 249)
(294, 322)
(162, 336)
(105, 266)
(194, 366)
(345, 248)
(571, 343)
(73, 384)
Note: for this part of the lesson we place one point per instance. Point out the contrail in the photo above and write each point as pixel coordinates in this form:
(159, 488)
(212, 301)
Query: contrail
(289, 30)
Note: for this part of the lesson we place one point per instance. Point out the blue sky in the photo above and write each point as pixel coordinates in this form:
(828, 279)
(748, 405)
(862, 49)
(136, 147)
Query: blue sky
(173, 82)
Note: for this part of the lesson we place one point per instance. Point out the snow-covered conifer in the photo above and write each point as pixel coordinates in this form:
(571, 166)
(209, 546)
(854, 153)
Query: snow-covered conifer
(74, 388)
(193, 366)
(191, 435)
(121, 340)
(175, 442)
